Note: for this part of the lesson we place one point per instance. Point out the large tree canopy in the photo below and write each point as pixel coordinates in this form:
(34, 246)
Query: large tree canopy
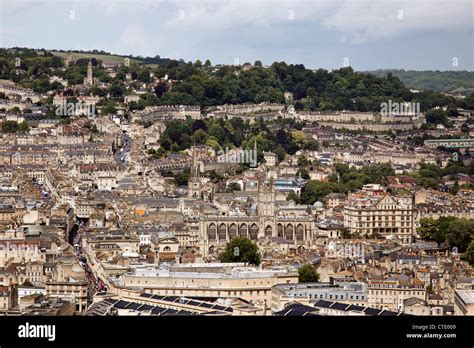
(241, 249)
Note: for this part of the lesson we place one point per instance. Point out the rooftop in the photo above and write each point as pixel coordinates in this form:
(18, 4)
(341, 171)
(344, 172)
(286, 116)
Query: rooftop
(467, 296)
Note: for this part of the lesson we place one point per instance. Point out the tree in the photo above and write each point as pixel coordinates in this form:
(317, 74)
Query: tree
(304, 173)
(160, 88)
(182, 178)
(346, 234)
(317, 190)
(234, 186)
(311, 145)
(302, 161)
(307, 274)
(241, 249)
(428, 228)
(453, 231)
(292, 196)
(280, 152)
(436, 116)
(13, 127)
(469, 255)
(453, 190)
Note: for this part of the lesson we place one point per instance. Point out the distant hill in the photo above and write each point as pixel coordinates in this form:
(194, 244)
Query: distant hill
(106, 58)
(440, 81)
(113, 58)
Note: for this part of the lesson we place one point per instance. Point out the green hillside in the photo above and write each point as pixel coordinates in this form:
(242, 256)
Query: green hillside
(440, 81)
(106, 58)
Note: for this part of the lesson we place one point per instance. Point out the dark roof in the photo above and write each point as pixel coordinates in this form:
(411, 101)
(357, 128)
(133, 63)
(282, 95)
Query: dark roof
(323, 303)
(134, 305)
(121, 304)
(188, 301)
(346, 307)
(158, 310)
(355, 308)
(145, 307)
(371, 311)
(169, 311)
(388, 313)
(340, 306)
(296, 309)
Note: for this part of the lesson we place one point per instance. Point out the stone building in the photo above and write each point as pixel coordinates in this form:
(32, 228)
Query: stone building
(380, 215)
(263, 219)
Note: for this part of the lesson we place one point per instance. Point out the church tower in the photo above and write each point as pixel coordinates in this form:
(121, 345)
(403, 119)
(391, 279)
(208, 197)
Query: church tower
(89, 80)
(266, 206)
(69, 59)
(194, 183)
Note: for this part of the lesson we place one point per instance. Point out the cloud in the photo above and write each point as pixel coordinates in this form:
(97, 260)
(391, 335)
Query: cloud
(134, 38)
(364, 21)
(314, 32)
(356, 21)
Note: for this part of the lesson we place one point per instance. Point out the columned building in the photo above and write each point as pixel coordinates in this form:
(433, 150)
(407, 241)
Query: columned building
(265, 220)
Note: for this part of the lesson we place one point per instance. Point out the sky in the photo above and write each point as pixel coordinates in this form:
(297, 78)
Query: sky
(329, 34)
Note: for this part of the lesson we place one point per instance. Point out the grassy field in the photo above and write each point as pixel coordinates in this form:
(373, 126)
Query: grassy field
(103, 57)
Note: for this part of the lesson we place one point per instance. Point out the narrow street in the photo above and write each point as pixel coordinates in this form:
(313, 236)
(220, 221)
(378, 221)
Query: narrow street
(95, 284)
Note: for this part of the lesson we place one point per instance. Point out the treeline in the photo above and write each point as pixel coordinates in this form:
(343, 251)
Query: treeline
(205, 85)
(283, 137)
(450, 230)
(347, 179)
(14, 127)
(34, 67)
(430, 175)
(319, 90)
(440, 81)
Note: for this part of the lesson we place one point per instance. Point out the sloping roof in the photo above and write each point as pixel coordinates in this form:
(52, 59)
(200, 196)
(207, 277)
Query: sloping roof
(296, 309)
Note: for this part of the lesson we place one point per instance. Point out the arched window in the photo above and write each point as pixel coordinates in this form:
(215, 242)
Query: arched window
(268, 231)
(212, 232)
(232, 231)
(243, 230)
(222, 232)
(289, 232)
(300, 232)
(280, 230)
(253, 231)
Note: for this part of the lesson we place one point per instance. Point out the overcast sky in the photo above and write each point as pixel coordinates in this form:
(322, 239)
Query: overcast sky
(366, 34)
